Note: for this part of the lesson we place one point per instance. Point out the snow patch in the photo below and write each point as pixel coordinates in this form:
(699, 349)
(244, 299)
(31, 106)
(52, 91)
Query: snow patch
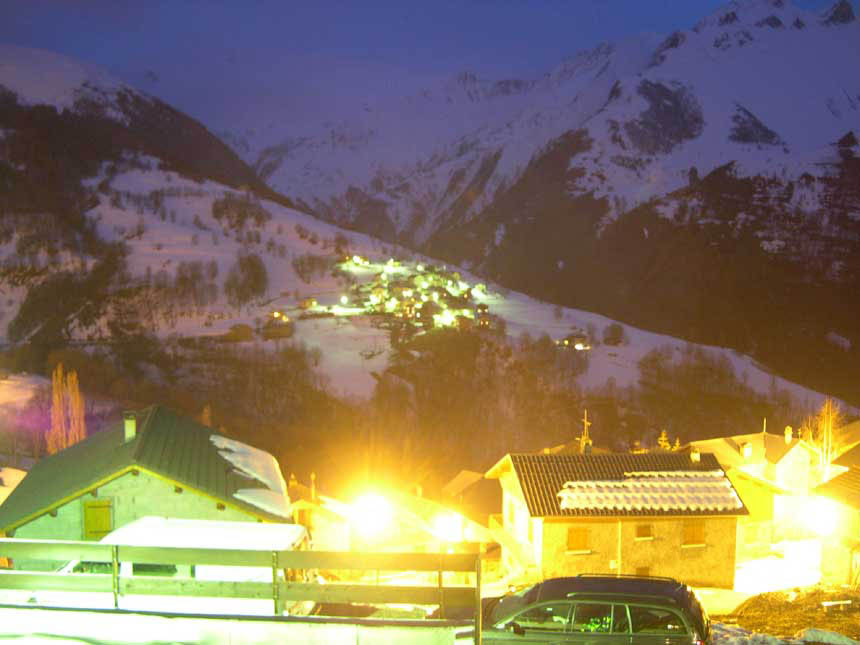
(697, 491)
(260, 465)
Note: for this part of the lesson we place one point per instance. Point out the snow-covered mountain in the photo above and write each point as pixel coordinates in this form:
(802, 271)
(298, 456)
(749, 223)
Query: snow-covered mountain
(38, 86)
(106, 236)
(706, 183)
(760, 83)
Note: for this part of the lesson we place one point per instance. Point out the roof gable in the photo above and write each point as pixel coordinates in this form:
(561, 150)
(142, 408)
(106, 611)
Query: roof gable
(843, 488)
(764, 446)
(663, 484)
(169, 445)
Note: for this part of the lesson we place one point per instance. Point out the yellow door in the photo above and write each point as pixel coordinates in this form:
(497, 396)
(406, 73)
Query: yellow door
(98, 518)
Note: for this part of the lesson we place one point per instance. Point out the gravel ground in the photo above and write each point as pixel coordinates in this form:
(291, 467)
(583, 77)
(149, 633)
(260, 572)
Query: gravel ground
(784, 614)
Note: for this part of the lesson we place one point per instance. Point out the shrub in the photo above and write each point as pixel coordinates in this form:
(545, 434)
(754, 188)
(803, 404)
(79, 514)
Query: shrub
(246, 280)
(309, 266)
(614, 334)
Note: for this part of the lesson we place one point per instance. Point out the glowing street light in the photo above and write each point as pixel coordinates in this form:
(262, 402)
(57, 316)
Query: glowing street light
(344, 300)
(448, 527)
(371, 515)
(820, 515)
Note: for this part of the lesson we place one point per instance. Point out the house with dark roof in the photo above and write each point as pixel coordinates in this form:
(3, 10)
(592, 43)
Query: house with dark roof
(153, 462)
(665, 514)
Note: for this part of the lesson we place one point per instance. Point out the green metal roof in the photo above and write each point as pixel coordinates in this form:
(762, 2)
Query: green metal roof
(167, 444)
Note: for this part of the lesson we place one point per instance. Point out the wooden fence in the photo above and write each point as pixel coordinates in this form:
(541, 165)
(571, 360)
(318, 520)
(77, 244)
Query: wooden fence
(279, 590)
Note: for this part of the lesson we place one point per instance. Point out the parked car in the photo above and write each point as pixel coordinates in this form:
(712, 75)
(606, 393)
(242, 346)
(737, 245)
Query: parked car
(598, 609)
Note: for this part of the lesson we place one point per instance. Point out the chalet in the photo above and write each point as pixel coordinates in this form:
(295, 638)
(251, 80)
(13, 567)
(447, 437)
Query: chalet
(646, 514)
(843, 553)
(776, 476)
(154, 462)
(769, 471)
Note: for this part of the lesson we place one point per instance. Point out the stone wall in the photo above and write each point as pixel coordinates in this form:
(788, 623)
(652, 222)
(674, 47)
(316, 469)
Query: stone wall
(662, 554)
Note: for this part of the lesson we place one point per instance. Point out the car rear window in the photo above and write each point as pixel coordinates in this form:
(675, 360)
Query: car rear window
(654, 620)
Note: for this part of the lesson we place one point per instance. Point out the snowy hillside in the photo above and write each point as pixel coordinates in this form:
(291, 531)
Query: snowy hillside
(169, 227)
(705, 184)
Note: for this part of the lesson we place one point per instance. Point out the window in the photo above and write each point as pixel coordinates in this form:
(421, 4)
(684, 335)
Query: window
(592, 618)
(653, 620)
(552, 617)
(577, 538)
(643, 532)
(694, 533)
(98, 518)
(643, 571)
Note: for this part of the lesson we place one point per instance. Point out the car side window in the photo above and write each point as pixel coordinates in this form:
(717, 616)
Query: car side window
(592, 617)
(620, 620)
(654, 620)
(552, 617)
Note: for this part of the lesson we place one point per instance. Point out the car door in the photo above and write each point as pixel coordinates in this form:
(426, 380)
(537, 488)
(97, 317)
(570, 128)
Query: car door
(651, 625)
(600, 623)
(546, 622)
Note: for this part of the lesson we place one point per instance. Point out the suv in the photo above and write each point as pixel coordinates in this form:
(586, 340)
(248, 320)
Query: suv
(597, 609)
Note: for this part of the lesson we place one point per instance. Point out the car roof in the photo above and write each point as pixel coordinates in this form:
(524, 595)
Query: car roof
(597, 586)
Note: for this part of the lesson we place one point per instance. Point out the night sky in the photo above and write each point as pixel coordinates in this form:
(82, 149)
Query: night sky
(224, 62)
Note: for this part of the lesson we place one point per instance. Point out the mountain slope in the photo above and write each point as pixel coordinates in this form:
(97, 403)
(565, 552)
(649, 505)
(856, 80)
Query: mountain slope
(90, 110)
(704, 185)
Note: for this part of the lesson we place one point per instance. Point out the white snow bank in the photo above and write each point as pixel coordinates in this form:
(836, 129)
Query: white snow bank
(734, 635)
(262, 466)
(814, 635)
(16, 390)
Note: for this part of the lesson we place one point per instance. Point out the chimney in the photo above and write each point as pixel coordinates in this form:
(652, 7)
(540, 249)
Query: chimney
(747, 450)
(789, 434)
(695, 455)
(129, 426)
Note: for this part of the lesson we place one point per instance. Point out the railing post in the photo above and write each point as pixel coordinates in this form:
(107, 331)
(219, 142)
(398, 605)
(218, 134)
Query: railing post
(114, 556)
(441, 590)
(479, 618)
(275, 581)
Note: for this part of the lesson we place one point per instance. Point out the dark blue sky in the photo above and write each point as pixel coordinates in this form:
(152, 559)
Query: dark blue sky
(210, 56)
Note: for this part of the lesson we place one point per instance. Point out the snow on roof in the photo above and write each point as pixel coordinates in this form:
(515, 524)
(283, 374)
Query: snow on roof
(260, 465)
(665, 491)
(9, 479)
(215, 534)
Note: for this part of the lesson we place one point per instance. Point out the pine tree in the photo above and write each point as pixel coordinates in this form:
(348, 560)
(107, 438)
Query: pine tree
(663, 441)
